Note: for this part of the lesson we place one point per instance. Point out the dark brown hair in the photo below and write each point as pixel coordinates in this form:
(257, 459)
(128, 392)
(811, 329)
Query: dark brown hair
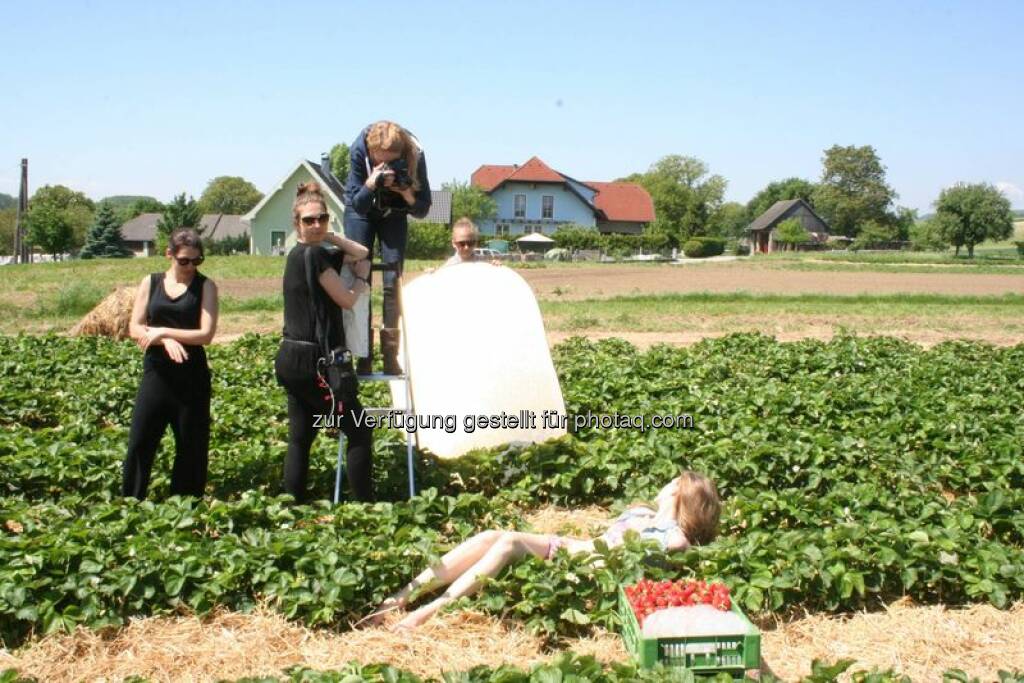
(307, 193)
(184, 237)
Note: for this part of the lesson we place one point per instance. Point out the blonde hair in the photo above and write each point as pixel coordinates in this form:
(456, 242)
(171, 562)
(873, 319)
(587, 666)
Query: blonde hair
(387, 136)
(307, 193)
(698, 508)
(467, 224)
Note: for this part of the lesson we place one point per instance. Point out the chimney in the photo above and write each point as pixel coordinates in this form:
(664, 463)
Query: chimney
(325, 164)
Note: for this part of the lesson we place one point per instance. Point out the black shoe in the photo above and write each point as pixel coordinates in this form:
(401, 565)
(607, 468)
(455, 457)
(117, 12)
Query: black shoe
(364, 366)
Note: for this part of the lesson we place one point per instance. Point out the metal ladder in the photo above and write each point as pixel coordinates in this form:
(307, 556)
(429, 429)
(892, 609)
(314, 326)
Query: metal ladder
(405, 378)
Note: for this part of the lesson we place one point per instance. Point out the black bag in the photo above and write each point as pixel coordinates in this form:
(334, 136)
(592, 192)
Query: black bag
(333, 365)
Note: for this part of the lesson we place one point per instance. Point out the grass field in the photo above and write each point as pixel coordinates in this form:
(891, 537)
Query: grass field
(787, 295)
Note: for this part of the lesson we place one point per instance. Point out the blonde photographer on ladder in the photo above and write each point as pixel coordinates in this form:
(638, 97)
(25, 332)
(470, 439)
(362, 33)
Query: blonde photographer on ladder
(387, 182)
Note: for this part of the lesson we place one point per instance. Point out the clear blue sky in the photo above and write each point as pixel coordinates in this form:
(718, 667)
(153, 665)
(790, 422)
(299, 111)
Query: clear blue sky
(158, 98)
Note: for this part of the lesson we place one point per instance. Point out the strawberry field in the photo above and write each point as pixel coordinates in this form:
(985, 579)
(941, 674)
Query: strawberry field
(853, 472)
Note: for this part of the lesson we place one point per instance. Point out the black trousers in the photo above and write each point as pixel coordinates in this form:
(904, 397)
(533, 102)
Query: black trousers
(295, 368)
(179, 396)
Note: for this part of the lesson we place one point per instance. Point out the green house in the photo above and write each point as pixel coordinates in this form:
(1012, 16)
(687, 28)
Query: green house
(272, 231)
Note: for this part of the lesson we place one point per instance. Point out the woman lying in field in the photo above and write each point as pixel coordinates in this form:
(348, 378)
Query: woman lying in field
(686, 512)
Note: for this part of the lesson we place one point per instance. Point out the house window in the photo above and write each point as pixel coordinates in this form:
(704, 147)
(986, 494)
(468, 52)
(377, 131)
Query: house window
(547, 206)
(501, 229)
(277, 241)
(520, 207)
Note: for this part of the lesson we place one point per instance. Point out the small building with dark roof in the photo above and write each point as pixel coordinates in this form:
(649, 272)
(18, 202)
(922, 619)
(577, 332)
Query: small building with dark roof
(272, 229)
(762, 230)
(140, 232)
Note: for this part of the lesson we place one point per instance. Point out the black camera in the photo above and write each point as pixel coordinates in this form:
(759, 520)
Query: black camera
(399, 169)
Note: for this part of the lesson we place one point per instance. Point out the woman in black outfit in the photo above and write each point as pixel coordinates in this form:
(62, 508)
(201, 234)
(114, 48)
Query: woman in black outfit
(296, 362)
(174, 316)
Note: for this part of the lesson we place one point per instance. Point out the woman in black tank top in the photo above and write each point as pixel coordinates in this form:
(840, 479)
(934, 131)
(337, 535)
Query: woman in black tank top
(174, 316)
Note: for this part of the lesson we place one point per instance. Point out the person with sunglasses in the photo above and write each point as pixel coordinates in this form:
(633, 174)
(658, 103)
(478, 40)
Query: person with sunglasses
(173, 318)
(465, 238)
(296, 364)
(387, 182)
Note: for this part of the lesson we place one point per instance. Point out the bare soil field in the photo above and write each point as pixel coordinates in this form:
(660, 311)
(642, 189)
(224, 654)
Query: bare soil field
(620, 280)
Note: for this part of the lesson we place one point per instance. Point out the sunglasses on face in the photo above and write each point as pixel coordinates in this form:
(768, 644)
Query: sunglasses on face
(185, 261)
(322, 218)
(466, 243)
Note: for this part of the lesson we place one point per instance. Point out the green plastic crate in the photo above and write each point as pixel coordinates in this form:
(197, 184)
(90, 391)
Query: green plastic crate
(736, 655)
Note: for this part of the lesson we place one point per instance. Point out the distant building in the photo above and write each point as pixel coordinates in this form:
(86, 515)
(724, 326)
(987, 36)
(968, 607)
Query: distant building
(140, 232)
(762, 230)
(273, 230)
(534, 198)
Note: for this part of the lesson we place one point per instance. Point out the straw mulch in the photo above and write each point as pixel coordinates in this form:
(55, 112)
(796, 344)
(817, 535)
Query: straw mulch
(110, 317)
(584, 522)
(920, 642)
(231, 645)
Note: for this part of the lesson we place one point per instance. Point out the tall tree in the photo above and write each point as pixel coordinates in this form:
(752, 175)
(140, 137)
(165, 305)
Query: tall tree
(229, 194)
(179, 213)
(74, 208)
(127, 207)
(685, 196)
(853, 190)
(7, 201)
(779, 190)
(470, 201)
(730, 220)
(105, 239)
(969, 214)
(50, 229)
(340, 159)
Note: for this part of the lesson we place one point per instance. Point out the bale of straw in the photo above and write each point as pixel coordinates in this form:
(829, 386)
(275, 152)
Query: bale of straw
(110, 317)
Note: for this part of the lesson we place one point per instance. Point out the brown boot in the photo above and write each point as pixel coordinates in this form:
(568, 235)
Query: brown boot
(389, 349)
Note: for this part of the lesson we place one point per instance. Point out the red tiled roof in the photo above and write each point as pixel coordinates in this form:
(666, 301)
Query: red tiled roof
(536, 171)
(626, 202)
(488, 177)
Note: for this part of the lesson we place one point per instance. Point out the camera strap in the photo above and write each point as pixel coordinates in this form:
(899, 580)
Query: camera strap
(319, 312)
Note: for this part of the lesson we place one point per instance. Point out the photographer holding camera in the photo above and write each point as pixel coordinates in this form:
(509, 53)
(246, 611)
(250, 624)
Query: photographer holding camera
(312, 364)
(387, 181)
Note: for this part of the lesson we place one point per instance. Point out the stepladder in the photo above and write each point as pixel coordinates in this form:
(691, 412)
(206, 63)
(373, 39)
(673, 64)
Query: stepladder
(404, 379)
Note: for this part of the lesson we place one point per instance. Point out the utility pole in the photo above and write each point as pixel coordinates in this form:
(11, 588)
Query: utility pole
(22, 251)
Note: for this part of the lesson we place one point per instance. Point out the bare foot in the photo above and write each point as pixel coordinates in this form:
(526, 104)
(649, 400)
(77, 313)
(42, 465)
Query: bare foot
(415, 619)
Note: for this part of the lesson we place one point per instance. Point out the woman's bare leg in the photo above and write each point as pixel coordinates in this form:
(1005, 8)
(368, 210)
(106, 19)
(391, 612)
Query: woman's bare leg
(510, 546)
(452, 565)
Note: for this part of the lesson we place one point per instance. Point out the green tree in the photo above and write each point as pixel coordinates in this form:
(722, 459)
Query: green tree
(428, 241)
(340, 158)
(74, 208)
(874, 233)
(969, 214)
(730, 220)
(179, 213)
(470, 201)
(105, 239)
(7, 201)
(50, 229)
(926, 235)
(229, 194)
(791, 232)
(853, 190)
(8, 218)
(779, 190)
(685, 196)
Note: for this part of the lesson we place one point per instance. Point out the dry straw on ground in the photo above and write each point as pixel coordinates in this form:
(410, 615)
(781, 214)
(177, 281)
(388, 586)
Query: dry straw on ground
(110, 317)
(921, 642)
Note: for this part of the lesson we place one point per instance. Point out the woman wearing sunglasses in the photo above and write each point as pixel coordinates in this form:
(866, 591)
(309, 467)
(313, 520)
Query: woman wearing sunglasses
(297, 360)
(174, 317)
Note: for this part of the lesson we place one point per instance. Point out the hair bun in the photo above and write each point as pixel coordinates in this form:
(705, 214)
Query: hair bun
(308, 187)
